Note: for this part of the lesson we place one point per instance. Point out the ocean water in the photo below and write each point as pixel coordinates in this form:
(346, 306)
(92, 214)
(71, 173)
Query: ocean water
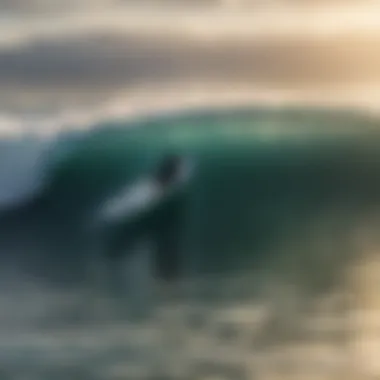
(279, 258)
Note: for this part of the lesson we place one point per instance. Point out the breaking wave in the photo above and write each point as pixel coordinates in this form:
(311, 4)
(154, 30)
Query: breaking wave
(284, 206)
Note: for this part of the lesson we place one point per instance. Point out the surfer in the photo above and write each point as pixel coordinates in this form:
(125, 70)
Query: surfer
(148, 213)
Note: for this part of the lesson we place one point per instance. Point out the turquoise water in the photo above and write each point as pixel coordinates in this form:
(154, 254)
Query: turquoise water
(263, 177)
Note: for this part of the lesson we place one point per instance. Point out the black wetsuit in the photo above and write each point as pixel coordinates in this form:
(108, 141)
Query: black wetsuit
(161, 225)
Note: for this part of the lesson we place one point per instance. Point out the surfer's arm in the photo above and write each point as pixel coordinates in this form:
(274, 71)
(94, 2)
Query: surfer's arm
(187, 170)
(185, 176)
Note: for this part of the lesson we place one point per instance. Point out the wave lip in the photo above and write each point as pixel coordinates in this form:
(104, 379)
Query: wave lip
(24, 166)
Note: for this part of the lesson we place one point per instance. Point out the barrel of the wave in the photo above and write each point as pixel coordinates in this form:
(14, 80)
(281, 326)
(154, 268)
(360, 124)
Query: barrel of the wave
(138, 235)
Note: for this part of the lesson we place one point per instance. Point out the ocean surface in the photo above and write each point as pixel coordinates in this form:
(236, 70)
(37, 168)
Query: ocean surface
(279, 250)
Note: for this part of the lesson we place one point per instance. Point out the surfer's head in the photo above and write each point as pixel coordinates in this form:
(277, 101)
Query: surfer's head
(169, 169)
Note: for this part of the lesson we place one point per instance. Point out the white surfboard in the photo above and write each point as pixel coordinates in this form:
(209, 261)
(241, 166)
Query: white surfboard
(140, 196)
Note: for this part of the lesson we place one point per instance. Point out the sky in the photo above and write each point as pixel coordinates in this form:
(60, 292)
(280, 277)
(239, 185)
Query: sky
(74, 62)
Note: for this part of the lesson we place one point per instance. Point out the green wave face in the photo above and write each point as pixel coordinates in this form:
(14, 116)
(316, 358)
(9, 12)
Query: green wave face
(267, 180)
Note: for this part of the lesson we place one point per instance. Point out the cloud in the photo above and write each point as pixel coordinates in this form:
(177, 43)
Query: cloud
(85, 58)
(48, 5)
(90, 68)
(43, 6)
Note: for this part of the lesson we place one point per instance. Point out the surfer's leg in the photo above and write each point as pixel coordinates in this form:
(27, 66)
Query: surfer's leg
(139, 279)
(97, 279)
(130, 276)
(105, 260)
(167, 255)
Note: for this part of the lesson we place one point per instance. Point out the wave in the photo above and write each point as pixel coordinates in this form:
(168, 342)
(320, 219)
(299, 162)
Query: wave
(25, 163)
(286, 199)
(273, 172)
(21, 167)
